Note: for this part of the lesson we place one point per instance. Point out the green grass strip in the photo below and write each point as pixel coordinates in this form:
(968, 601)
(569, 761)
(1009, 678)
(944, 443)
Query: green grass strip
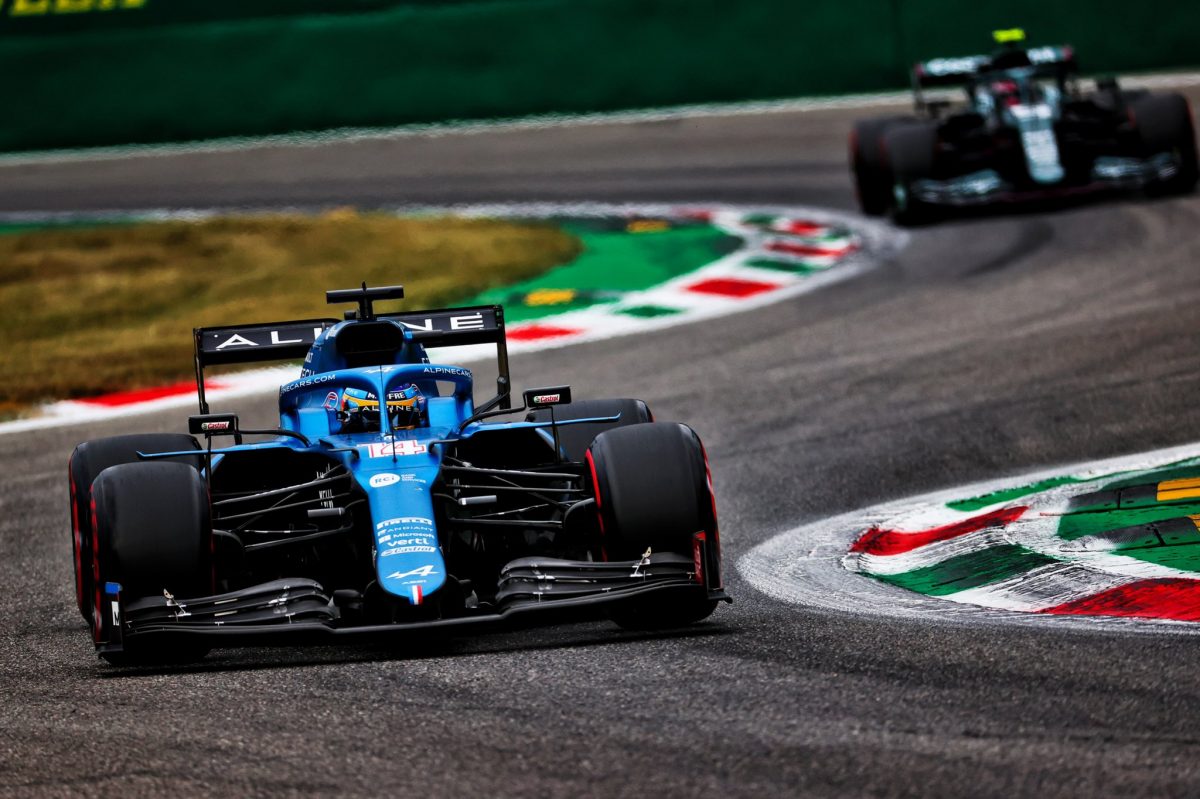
(971, 570)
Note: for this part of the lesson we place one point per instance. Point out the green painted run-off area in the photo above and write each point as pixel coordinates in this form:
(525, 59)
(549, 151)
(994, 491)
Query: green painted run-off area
(614, 261)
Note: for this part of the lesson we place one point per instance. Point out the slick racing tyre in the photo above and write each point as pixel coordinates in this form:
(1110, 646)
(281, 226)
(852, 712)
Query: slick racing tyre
(910, 150)
(653, 492)
(1164, 123)
(574, 439)
(151, 532)
(87, 462)
(869, 164)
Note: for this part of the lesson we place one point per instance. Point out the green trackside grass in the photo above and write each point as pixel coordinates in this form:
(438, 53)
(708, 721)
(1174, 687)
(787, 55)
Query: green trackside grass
(85, 311)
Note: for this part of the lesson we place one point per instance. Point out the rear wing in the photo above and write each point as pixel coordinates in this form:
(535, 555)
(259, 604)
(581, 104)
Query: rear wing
(290, 341)
(947, 71)
(1055, 62)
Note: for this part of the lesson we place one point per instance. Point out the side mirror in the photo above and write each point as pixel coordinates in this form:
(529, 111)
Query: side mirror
(545, 397)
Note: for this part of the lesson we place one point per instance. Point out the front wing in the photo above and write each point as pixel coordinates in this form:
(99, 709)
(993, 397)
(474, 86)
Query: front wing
(299, 611)
(987, 186)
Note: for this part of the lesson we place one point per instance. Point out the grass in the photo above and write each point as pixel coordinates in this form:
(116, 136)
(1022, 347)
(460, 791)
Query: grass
(86, 311)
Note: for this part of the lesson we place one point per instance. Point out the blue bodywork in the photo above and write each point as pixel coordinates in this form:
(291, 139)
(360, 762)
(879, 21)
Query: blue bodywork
(395, 468)
(377, 510)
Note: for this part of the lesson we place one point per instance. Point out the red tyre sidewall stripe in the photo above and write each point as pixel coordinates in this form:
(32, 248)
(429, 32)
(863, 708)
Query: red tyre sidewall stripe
(714, 544)
(98, 620)
(599, 516)
(76, 534)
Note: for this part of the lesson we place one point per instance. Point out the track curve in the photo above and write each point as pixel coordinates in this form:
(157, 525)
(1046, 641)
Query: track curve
(990, 346)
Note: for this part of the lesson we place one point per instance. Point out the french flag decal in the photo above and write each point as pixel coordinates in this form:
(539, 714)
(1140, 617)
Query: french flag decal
(417, 594)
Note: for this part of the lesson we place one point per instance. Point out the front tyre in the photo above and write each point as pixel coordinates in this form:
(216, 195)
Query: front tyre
(869, 164)
(910, 151)
(87, 462)
(653, 492)
(1164, 123)
(152, 532)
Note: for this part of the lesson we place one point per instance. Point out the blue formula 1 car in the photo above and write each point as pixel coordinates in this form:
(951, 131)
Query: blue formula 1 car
(1026, 131)
(386, 501)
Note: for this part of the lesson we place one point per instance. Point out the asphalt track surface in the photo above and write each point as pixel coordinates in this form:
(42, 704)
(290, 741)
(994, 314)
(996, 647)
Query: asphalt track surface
(991, 345)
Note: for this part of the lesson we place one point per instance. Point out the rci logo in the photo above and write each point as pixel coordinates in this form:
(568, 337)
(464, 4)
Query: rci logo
(33, 8)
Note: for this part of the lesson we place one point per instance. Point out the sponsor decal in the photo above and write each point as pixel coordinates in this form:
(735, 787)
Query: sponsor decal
(447, 370)
(236, 341)
(398, 448)
(385, 479)
(546, 399)
(399, 520)
(412, 478)
(471, 321)
(952, 66)
(331, 400)
(405, 540)
(406, 550)
(305, 382)
(213, 426)
(32, 8)
(428, 570)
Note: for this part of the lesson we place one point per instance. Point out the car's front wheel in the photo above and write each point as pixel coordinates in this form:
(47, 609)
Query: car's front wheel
(1164, 123)
(869, 164)
(152, 533)
(87, 462)
(653, 492)
(910, 152)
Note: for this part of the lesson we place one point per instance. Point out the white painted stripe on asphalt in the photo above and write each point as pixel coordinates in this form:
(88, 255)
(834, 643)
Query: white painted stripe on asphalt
(340, 136)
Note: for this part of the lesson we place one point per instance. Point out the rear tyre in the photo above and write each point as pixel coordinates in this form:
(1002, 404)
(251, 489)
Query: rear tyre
(87, 462)
(576, 438)
(910, 150)
(869, 164)
(1164, 124)
(653, 492)
(152, 532)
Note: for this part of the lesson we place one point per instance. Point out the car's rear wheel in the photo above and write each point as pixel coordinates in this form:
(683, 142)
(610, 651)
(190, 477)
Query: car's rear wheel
(574, 439)
(653, 493)
(869, 164)
(152, 532)
(1164, 123)
(87, 462)
(910, 152)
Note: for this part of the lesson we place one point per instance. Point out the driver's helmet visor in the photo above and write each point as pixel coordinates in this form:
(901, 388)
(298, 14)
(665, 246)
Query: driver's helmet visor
(405, 406)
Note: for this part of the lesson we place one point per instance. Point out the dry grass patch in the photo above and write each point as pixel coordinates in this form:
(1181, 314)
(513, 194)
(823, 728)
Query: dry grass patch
(93, 310)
